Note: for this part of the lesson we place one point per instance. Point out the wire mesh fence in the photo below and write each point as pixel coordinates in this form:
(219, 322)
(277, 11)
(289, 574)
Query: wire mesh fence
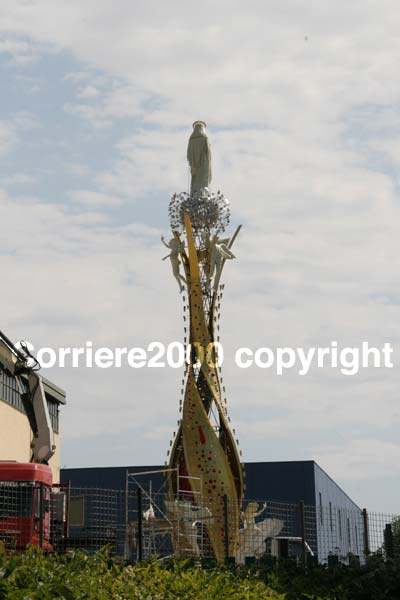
(136, 524)
(384, 534)
(96, 519)
(17, 505)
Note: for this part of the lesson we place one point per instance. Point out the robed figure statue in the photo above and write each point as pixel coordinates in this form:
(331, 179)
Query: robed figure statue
(199, 157)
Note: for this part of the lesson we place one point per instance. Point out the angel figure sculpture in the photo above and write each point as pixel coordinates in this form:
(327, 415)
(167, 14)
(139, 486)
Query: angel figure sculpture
(188, 517)
(218, 252)
(251, 513)
(252, 536)
(176, 248)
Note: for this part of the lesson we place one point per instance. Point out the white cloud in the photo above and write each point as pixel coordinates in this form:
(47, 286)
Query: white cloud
(22, 51)
(102, 100)
(89, 91)
(148, 162)
(89, 280)
(12, 128)
(364, 459)
(8, 137)
(89, 198)
(18, 179)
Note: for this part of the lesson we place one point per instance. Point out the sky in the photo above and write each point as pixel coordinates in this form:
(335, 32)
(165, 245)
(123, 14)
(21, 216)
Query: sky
(302, 104)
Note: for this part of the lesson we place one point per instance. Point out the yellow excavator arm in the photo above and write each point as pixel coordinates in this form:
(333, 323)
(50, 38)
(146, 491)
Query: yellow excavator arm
(20, 364)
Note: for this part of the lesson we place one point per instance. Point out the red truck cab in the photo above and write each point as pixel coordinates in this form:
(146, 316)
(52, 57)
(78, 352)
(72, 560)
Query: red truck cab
(25, 494)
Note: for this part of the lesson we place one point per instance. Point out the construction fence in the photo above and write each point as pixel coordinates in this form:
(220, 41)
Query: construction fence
(136, 524)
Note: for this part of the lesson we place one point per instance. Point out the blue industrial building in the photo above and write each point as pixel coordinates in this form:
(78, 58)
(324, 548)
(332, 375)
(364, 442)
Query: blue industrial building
(335, 525)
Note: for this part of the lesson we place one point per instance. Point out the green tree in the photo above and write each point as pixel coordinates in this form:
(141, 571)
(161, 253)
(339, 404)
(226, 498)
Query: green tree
(396, 536)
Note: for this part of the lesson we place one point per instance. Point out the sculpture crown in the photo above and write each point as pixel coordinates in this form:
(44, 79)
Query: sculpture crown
(203, 123)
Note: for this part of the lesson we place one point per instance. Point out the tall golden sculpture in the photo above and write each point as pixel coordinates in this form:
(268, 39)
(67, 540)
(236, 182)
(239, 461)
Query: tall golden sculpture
(204, 460)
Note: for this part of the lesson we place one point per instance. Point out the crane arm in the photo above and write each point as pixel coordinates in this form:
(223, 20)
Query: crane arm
(21, 365)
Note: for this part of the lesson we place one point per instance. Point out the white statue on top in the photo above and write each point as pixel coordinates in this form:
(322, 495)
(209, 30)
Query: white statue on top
(176, 248)
(199, 157)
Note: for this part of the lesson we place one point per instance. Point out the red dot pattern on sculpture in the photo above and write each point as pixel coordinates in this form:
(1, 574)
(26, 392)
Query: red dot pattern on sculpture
(205, 457)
